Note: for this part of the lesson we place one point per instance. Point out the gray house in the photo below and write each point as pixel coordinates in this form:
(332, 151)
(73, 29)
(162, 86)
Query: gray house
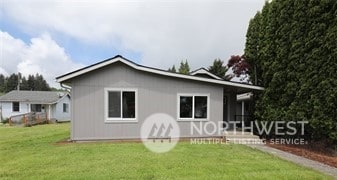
(55, 103)
(111, 99)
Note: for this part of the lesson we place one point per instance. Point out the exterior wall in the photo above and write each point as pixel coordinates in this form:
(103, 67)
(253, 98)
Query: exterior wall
(156, 94)
(7, 112)
(57, 110)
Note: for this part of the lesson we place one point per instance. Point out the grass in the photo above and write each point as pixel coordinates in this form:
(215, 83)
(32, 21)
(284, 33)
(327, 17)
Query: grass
(31, 153)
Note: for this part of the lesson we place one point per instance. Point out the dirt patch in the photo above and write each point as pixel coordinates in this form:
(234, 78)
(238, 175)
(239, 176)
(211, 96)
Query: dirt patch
(313, 151)
(68, 141)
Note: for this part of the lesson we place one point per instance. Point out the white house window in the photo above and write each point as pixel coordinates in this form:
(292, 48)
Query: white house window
(15, 106)
(193, 107)
(65, 107)
(121, 104)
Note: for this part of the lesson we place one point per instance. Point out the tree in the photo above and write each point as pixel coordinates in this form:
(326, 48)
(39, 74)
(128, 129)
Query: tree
(291, 47)
(184, 67)
(173, 69)
(40, 83)
(24, 83)
(11, 83)
(2, 83)
(30, 82)
(239, 66)
(33, 83)
(219, 69)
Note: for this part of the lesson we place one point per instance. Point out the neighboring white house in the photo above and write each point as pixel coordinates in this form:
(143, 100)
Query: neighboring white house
(55, 103)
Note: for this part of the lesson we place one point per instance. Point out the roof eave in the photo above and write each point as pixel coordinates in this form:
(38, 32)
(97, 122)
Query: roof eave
(69, 76)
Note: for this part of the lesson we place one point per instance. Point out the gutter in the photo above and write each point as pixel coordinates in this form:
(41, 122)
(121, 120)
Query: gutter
(68, 88)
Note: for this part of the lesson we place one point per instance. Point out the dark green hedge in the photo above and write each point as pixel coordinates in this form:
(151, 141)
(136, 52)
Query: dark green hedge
(292, 47)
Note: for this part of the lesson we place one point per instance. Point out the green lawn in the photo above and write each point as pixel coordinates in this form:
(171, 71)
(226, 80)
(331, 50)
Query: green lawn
(31, 153)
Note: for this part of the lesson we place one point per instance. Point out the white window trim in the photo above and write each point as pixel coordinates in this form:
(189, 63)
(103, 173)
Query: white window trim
(107, 119)
(193, 97)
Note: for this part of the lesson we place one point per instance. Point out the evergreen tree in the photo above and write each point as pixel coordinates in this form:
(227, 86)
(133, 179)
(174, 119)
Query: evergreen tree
(2, 83)
(291, 47)
(33, 83)
(173, 69)
(184, 67)
(24, 84)
(40, 83)
(218, 68)
(11, 83)
(30, 82)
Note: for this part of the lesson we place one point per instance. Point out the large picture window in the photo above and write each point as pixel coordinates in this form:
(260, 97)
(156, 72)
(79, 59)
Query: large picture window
(193, 107)
(121, 104)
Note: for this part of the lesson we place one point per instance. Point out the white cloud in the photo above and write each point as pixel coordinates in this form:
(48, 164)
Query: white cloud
(42, 55)
(164, 32)
(10, 53)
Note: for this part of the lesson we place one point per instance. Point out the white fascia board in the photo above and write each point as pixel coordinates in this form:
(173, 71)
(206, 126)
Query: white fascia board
(83, 71)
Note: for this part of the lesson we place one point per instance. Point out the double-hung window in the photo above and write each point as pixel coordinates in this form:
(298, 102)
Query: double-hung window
(120, 104)
(193, 107)
(16, 106)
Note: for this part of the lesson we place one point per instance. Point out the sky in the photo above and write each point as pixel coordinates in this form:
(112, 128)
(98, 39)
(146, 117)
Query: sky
(54, 37)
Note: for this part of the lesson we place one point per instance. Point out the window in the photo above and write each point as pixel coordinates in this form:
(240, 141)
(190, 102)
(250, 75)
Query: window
(120, 104)
(193, 107)
(200, 106)
(186, 107)
(65, 107)
(36, 107)
(15, 106)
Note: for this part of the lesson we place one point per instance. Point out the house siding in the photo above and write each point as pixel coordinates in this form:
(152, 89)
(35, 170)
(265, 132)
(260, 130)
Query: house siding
(156, 94)
(57, 110)
(7, 112)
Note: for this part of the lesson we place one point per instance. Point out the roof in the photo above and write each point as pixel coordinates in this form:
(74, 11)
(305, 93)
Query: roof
(37, 97)
(64, 78)
(204, 71)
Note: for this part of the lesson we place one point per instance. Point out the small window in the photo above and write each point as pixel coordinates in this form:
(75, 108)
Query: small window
(129, 104)
(186, 106)
(200, 106)
(65, 107)
(120, 104)
(15, 106)
(193, 107)
(114, 104)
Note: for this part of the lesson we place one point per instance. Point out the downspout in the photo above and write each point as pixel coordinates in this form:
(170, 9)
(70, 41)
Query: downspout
(49, 111)
(66, 87)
